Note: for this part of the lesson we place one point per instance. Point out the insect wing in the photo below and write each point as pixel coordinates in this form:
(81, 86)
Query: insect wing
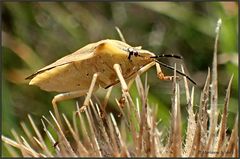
(84, 53)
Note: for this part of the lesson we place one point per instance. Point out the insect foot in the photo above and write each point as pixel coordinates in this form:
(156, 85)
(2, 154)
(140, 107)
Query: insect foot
(122, 101)
(161, 76)
(83, 108)
(125, 90)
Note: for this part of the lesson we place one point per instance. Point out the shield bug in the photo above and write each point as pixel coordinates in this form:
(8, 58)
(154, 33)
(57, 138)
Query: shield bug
(101, 64)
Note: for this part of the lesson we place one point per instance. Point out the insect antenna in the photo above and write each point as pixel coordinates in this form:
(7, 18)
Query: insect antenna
(179, 72)
(167, 55)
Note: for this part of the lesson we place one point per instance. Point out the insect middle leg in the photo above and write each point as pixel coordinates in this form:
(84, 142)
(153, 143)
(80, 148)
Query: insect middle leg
(123, 83)
(118, 70)
(131, 79)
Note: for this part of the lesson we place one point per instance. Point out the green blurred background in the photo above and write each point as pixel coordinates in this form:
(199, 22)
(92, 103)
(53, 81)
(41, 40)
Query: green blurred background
(35, 34)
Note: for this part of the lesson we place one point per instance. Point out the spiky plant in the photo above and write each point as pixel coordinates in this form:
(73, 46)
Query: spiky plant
(95, 133)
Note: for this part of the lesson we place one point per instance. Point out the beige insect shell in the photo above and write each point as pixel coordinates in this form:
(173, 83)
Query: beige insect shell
(75, 71)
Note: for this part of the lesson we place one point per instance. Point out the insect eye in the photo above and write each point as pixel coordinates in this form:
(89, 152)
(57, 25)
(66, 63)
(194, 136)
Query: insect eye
(135, 53)
(132, 52)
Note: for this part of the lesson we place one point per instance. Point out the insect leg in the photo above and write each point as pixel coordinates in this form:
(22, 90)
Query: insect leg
(118, 70)
(146, 67)
(129, 83)
(62, 97)
(89, 94)
(161, 75)
(125, 86)
(104, 103)
(141, 71)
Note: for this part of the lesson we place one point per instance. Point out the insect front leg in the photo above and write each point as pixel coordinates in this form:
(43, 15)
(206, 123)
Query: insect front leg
(161, 75)
(141, 71)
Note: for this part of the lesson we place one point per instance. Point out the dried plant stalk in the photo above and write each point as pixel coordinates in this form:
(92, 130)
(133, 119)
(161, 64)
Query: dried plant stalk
(137, 135)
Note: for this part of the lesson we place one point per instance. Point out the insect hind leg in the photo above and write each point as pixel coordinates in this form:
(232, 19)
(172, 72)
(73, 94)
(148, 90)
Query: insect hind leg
(74, 94)
(90, 91)
(63, 97)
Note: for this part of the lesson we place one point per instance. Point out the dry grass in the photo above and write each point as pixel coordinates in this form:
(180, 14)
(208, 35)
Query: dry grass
(95, 133)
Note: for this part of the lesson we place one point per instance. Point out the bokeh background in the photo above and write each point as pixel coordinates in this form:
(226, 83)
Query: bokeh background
(35, 34)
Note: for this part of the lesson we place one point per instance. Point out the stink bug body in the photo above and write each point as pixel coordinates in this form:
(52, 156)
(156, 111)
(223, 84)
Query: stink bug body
(75, 71)
(104, 63)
